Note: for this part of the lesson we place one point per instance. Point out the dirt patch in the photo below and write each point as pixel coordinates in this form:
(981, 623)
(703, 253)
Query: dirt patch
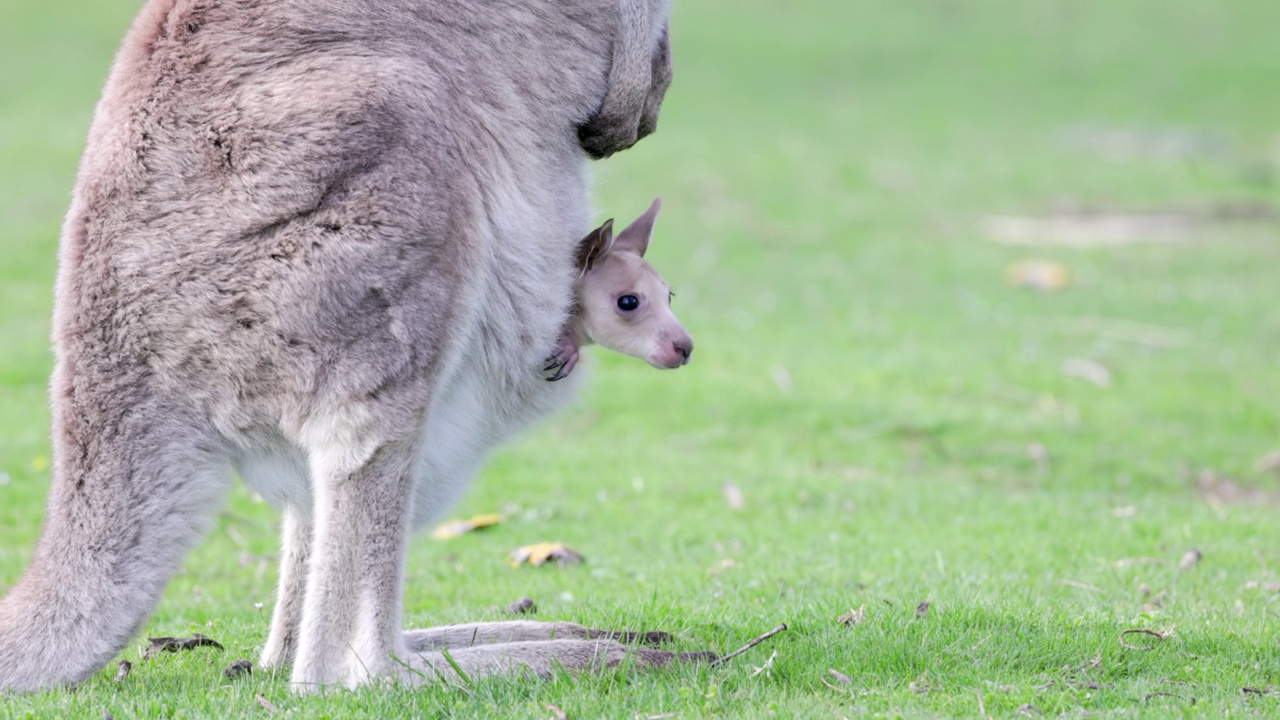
(1082, 227)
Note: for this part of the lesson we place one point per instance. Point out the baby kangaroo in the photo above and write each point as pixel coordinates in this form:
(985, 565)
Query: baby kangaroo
(621, 302)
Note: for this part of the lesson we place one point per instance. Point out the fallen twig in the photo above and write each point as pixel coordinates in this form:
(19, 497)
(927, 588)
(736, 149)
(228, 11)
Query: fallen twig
(1166, 694)
(1077, 584)
(1129, 562)
(1141, 631)
(754, 642)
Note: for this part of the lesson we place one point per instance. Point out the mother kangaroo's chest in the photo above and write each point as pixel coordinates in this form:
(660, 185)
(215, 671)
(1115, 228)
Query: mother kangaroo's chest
(477, 409)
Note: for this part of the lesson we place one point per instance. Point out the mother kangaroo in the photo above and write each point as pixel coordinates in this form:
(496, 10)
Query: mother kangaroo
(328, 243)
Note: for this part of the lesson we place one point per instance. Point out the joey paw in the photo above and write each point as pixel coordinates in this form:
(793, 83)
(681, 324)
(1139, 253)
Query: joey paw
(561, 364)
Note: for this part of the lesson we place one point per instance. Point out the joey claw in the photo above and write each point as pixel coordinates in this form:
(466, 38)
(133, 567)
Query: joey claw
(565, 359)
(565, 368)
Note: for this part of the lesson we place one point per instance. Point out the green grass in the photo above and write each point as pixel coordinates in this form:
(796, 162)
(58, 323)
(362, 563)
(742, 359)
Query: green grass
(825, 167)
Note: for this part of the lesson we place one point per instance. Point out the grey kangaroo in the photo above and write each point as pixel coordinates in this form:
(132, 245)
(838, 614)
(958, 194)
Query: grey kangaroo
(329, 244)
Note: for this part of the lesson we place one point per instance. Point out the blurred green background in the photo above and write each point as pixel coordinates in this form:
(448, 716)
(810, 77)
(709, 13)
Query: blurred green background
(880, 411)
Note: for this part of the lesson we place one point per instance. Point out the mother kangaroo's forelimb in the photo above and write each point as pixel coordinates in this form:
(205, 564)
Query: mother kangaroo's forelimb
(639, 75)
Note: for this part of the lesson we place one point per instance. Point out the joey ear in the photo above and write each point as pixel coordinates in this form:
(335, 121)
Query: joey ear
(635, 237)
(594, 246)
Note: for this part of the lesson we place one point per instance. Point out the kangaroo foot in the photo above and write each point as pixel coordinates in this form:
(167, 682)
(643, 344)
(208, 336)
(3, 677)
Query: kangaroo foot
(514, 631)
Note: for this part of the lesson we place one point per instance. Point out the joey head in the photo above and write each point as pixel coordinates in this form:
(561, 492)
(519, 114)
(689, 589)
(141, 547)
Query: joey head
(621, 302)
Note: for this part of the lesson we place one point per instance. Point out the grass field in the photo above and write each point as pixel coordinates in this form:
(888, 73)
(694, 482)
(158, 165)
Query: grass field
(895, 415)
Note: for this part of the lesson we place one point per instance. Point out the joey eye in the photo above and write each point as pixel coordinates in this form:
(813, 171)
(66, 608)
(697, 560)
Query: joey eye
(628, 303)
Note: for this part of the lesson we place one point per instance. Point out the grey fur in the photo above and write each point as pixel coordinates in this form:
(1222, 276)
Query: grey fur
(327, 243)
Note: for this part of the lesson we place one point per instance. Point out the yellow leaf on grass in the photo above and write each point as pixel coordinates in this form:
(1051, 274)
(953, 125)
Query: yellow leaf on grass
(454, 528)
(1038, 275)
(854, 617)
(543, 552)
(39, 463)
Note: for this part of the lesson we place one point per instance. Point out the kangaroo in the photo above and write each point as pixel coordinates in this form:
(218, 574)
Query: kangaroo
(324, 244)
(621, 302)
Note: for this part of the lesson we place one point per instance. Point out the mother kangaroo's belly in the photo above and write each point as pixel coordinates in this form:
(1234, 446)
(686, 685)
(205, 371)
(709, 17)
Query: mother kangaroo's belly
(471, 415)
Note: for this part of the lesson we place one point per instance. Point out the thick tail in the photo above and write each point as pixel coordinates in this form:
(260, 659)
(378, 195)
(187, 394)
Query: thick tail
(134, 487)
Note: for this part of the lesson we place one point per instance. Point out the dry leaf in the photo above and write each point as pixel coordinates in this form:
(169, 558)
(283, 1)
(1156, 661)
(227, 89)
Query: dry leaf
(1086, 369)
(1038, 275)
(1189, 560)
(782, 378)
(557, 713)
(523, 606)
(767, 667)
(854, 617)
(1130, 562)
(920, 684)
(169, 644)
(122, 670)
(453, 528)
(541, 553)
(238, 668)
(267, 704)
(1268, 463)
(839, 676)
(1095, 662)
(922, 609)
(1220, 489)
(723, 565)
(1039, 454)
(733, 497)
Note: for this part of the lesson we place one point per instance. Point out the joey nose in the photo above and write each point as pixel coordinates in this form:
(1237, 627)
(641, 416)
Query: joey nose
(684, 348)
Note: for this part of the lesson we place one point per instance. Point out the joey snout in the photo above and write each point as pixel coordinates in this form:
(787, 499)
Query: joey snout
(673, 351)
